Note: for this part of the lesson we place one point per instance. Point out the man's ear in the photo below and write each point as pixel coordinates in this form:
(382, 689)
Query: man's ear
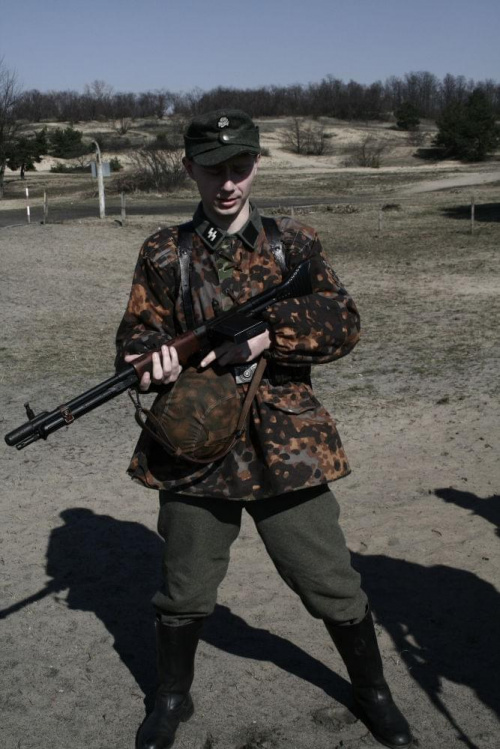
(188, 166)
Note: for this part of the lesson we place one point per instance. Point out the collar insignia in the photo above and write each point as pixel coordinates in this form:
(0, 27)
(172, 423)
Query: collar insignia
(250, 234)
(212, 236)
(223, 122)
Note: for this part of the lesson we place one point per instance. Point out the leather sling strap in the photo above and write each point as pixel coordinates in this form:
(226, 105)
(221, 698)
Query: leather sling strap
(185, 244)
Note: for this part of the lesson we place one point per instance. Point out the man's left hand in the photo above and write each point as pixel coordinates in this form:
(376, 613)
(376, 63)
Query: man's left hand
(232, 353)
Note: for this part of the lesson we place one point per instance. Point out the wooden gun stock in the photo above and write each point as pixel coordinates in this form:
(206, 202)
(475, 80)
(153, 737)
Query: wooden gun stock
(187, 345)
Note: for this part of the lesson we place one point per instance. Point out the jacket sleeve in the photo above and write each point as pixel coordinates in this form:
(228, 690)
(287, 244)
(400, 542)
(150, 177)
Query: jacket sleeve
(317, 328)
(149, 319)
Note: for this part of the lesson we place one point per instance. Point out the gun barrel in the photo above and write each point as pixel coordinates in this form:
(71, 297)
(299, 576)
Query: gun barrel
(25, 431)
(47, 422)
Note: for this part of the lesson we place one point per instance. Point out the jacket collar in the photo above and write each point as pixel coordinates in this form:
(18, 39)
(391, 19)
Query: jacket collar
(213, 236)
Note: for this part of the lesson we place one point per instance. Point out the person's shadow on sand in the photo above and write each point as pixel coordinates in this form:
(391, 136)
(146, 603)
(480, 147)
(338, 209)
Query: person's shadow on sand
(488, 508)
(444, 624)
(442, 620)
(112, 567)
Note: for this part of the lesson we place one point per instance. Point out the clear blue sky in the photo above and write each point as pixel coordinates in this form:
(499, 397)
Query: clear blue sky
(136, 45)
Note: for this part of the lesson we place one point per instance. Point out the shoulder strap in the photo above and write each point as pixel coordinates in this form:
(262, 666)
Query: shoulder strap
(273, 235)
(185, 244)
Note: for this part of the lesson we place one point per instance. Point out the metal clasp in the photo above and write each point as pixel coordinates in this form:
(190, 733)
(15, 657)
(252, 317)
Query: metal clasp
(67, 414)
(246, 375)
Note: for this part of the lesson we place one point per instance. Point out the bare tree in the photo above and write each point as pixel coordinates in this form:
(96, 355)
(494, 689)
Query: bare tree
(124, 106)
(162, 102)
(303, 137)
(9, 94)
(154, 169)
(99, 96)
(99, 89)
(33, 106)
(368, 153)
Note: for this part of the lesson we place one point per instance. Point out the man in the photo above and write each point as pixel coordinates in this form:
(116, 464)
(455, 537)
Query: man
(280, 467)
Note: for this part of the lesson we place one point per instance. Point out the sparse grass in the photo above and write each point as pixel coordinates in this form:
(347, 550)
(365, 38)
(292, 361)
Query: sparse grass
(293, 183)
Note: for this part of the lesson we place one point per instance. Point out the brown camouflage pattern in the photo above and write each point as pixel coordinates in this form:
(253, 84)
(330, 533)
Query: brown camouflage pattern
(291, 441)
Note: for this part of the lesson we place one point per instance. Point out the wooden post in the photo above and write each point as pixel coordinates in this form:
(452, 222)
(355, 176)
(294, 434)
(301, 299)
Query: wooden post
(28, 215)
(45, 207)
(100, 180)
(380, 216)
(472, 213)
(123, 201)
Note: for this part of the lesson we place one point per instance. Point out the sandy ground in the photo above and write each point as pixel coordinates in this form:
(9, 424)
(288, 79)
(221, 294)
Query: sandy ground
(417, 406)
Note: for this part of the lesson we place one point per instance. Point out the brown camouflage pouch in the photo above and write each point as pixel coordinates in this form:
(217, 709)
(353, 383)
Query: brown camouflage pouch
(199, 418)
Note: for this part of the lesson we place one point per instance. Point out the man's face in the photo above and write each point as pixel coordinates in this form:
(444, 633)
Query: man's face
(224, 188)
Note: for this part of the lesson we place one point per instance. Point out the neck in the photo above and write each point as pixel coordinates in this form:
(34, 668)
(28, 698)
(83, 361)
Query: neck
(230, 224)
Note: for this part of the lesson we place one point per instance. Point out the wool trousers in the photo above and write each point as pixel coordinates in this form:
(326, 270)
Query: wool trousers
(300, 531)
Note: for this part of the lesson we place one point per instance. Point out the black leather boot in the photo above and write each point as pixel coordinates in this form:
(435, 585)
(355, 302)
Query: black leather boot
(176, 650)
(357, 645)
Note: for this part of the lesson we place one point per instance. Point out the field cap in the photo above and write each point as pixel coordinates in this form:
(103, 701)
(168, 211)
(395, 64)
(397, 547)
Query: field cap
(216, 136)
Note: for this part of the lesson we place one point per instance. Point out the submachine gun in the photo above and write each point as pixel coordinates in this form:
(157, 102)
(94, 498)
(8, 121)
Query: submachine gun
(237, 325)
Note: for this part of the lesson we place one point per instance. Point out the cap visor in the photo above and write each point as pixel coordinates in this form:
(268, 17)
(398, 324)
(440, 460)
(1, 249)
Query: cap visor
(219, 155)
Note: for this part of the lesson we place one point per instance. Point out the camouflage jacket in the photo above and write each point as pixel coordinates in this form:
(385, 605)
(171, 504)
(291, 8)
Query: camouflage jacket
(291, 441)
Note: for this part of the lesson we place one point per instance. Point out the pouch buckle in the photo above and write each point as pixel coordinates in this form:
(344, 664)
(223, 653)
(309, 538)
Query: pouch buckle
(244, 375)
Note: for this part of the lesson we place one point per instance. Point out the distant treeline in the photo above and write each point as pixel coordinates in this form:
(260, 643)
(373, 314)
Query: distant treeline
(330, 97)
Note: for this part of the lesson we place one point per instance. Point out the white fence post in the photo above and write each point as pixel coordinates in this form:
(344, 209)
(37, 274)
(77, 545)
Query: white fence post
(28, 214)
(100, 180)
(123, 201)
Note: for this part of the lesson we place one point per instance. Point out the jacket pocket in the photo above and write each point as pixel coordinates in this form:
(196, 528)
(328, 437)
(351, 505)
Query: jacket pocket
(289, 399)
(297, 435)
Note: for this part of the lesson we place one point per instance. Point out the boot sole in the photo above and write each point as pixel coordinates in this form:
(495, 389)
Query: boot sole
(189, 714)
(390, 746)
(182, 719)
(358, 712)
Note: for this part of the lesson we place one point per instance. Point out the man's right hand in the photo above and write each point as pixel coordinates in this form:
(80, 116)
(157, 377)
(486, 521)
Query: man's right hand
(166, 368)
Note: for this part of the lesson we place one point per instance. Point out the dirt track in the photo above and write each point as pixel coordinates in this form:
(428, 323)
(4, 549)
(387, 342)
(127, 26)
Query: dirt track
(465, 180)
(417, 406)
